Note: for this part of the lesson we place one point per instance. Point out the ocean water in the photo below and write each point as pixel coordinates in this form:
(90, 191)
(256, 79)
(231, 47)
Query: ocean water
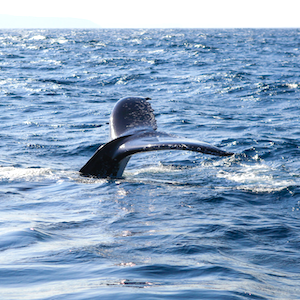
(179, 225)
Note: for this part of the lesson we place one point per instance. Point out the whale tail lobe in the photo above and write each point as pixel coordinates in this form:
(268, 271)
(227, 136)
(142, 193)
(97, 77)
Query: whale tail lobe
(133, 130)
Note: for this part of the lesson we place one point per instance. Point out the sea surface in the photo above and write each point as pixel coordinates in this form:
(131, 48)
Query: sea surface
(179, 225)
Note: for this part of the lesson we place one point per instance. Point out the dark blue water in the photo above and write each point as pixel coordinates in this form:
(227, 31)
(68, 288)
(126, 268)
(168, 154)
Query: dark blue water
(180, 225)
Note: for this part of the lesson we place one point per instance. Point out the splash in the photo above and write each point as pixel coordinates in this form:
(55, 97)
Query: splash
(26, 174)
(256, 178)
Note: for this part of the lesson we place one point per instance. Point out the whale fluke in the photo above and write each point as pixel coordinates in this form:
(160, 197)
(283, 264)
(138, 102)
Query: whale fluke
(133, 130)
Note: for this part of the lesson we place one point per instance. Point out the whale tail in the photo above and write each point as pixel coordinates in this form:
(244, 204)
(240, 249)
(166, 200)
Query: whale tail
(133, 130)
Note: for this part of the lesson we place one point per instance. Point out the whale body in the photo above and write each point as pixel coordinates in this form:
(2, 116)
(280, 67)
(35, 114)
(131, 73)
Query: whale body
(133, 129)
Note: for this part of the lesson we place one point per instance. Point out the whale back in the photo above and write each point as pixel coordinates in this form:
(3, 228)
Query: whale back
(130, 115)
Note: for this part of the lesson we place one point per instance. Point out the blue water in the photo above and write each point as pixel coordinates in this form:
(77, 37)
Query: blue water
(179, 225)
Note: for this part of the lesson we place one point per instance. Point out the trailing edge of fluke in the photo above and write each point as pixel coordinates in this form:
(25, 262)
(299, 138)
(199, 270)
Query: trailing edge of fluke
(133, 130)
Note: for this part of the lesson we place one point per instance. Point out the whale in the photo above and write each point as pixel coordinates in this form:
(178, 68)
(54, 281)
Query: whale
(133, 129)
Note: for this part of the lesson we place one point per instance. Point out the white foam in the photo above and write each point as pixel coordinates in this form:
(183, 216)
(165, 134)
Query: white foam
(157, 169)
(38, 37)
(257, 177)
(292, 85)
(27, 174)
(41, 174)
